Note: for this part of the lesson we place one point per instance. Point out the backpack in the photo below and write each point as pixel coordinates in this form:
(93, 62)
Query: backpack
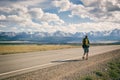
(85, 43)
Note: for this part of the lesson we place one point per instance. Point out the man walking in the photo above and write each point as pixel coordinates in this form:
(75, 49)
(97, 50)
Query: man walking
(85, 45)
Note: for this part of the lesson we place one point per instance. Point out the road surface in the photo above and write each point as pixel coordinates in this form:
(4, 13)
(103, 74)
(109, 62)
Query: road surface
(15, 64)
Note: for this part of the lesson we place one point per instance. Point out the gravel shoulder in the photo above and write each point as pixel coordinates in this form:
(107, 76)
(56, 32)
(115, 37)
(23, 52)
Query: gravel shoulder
(70, 69)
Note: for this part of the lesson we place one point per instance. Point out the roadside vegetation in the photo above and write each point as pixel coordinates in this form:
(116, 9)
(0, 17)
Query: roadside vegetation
(110, 72)
(11, 49)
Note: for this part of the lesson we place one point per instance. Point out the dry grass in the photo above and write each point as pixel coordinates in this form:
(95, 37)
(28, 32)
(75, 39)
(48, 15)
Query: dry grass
(10, 49)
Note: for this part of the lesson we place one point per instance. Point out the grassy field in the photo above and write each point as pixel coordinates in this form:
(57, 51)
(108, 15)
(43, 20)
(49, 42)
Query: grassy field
(10, 49)
(111, 72)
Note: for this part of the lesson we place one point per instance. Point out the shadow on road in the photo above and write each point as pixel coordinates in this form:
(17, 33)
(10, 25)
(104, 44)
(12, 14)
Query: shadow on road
(66, 60)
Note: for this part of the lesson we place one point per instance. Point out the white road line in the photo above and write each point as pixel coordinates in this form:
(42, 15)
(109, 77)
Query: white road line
(25, 69)
(38, 66)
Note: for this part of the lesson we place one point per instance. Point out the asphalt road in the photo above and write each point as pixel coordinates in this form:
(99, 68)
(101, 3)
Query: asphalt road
(15, 64)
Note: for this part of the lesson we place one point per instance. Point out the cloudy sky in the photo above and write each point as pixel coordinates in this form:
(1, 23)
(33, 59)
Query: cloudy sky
(63, 15)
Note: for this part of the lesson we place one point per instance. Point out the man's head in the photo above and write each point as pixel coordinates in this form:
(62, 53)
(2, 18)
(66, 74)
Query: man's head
(86, 36)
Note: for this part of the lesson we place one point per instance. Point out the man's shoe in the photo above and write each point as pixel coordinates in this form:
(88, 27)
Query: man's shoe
(83, 58)
(86, 58)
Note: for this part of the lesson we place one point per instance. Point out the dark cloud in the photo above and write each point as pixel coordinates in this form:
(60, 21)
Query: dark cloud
(110, 7)
(104, 10)
(8, 2)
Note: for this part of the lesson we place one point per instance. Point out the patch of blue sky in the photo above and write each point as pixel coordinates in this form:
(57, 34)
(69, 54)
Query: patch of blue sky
(76, 2)
(52, 10)
(36, 21)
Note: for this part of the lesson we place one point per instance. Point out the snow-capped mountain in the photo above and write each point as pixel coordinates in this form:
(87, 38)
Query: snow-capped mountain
(60, 37)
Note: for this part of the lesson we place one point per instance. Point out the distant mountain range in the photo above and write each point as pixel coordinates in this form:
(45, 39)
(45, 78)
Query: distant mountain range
(61, 37)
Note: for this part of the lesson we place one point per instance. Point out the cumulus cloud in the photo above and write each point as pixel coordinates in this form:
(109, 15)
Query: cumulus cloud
(47, 17)
(21, 2)
(80, 10)
(36, 13)
(83, 27)
(62, 4)
(29, 15)
(39, 15)
(14, 18)
(103, 10)
(2, 26)
(97, 10)
(24, 18)
(2, 17)
(87, 27)
(14, 15)
(66, 5)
